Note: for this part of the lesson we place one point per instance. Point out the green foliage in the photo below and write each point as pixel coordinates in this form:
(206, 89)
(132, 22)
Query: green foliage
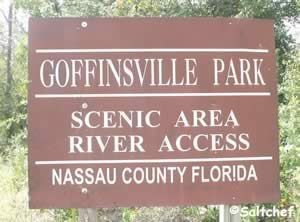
(13, 188)
(191, 212)
(289, 113)
(39, 8)
(56, 8)
(14, 102)
(129, 214)
(87, 7)
(176, 214)
(65, 215)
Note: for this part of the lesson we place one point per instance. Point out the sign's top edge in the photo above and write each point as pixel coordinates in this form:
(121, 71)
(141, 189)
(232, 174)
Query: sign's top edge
(174, 18)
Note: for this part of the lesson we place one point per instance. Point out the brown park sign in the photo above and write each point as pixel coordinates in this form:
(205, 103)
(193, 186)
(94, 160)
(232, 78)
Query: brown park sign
(152, 111)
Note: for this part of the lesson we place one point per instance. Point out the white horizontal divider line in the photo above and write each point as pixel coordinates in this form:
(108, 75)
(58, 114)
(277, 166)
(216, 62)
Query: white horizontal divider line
(116, 95)
(197, 160)
(152, 50)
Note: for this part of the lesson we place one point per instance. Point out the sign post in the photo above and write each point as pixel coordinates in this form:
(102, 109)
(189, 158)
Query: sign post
(152, 112)
(87, 215)
(229, 214)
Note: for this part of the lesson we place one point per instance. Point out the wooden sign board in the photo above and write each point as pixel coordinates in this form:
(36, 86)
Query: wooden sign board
(152, 111)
